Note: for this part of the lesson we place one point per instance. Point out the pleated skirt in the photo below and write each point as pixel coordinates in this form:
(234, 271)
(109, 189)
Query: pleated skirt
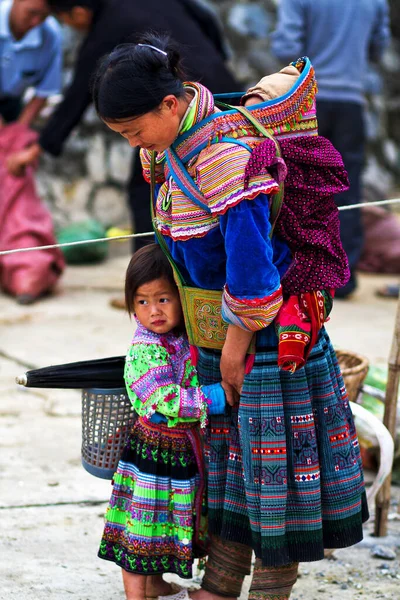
(284, 468)
(156, 519)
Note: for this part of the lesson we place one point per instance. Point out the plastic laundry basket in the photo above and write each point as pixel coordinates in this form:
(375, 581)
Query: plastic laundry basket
(107, 419)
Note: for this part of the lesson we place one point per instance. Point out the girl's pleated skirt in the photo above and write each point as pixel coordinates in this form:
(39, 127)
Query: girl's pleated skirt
(156, 518)
(284, 468)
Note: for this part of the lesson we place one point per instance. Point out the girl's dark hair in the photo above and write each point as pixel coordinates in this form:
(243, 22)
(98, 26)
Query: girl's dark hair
(58, 6)
(133, 79)
(147, 264)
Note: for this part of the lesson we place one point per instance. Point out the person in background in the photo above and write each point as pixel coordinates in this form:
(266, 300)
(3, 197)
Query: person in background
(340, 38)
(107, 23)
(31, 56)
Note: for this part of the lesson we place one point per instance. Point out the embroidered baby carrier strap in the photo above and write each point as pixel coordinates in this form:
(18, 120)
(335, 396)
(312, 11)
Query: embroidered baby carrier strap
(201, 308)
(285, 117)
(189, 187)
(280, 171)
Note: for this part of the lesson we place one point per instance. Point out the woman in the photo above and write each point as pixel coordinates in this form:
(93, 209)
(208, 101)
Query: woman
(284, 472)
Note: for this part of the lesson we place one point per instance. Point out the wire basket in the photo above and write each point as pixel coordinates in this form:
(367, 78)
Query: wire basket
(107, 419)
(354, 369)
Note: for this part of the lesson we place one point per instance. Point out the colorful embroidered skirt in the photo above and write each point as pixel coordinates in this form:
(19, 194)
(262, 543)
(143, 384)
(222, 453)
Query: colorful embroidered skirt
(284, 469)
(155, 521)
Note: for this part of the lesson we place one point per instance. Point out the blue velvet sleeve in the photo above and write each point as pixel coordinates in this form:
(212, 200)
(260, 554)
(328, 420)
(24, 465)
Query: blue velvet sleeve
(250, 271)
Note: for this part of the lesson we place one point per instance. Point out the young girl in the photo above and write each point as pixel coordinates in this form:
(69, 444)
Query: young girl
(155, 521)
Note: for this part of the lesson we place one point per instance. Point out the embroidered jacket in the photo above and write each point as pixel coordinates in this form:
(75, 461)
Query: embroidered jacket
(160, 378)
(216, 219)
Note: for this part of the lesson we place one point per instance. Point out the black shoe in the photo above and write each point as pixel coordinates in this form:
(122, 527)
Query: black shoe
(26, 299)
(388, 291)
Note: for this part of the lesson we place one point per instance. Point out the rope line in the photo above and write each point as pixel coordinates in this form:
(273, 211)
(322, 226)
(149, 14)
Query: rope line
(149, 233)
(77, 243)
(375, 203)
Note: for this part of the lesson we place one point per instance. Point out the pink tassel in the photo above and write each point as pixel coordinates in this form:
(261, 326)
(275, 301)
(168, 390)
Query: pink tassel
(194, 355)
(249, 363)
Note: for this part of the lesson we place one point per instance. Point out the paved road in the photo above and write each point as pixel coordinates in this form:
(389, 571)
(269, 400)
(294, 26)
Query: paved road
(50, 508)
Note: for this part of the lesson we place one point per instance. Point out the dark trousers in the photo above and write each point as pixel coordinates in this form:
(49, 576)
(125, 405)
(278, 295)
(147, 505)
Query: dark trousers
(139, 203)
(10, 109)
(343, 124)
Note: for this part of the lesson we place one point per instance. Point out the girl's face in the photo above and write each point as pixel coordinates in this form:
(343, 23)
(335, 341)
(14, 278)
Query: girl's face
(157, 306)
(155, 130)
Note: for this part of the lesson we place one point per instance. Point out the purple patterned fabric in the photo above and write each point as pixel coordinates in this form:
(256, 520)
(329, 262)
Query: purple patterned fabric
(309, 218)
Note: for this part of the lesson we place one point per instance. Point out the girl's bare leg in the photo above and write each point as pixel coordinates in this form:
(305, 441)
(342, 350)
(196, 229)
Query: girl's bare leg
(141, 587)
(134, 585)
(156, 586)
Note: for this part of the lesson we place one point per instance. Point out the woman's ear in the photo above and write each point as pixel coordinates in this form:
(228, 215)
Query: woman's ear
(170, 103)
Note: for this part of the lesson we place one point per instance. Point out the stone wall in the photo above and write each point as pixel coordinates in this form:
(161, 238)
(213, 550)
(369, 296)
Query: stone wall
(90, 177)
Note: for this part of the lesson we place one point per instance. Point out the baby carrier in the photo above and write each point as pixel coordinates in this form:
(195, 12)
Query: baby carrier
(282, 137)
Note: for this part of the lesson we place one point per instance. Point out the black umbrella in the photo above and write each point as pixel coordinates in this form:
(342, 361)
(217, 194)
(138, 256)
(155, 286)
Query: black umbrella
(105, 373)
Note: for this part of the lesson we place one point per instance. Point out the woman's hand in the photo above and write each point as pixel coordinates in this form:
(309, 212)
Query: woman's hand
(232, 363)
(232, 372)
(17, 162)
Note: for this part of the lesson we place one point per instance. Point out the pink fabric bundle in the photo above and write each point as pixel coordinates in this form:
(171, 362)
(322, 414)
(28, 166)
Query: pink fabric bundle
(381, 252)
(313, 172)
(24, 222)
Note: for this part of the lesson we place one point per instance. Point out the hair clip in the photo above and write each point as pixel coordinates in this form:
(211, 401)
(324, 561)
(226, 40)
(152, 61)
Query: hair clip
(153, 48)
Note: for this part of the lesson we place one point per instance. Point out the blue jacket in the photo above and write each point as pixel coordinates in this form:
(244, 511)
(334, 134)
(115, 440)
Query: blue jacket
(339, 36)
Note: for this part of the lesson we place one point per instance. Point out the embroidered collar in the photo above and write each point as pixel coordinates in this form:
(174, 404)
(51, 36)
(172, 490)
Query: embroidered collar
(189, 118)
(168, 340)
(215, 152)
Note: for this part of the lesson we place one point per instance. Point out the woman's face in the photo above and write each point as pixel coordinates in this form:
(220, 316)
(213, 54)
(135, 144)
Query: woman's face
(155, 130)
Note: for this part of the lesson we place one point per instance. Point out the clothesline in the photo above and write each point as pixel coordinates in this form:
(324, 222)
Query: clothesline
(150, 233)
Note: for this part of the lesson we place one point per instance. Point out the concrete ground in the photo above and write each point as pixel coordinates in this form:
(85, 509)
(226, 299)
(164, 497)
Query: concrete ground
(51, 509)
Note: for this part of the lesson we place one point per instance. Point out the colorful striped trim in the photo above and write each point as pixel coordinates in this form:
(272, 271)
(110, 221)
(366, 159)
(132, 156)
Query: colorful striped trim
(284, 117)
(189, 202)
(219, 174)
(251, 315)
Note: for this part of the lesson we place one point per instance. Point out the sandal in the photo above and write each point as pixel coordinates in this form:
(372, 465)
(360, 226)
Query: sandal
(182, 595)
(175, 591)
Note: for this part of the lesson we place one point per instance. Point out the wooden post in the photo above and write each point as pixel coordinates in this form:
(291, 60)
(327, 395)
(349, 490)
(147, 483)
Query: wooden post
(382, 504)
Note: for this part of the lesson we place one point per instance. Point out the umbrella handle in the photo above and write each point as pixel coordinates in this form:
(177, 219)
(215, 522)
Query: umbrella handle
(22, 379)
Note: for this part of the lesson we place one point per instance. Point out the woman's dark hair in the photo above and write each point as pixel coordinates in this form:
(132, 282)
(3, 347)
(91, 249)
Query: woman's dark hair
(134, 79)
(58, 6)
(147, 264)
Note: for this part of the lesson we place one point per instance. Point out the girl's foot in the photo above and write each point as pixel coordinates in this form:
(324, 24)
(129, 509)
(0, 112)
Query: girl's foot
(204, 595)
(156, 586)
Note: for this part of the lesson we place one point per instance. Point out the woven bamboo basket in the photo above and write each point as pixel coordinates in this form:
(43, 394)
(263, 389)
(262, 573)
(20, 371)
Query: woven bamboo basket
(107, 419)
(354, 369)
